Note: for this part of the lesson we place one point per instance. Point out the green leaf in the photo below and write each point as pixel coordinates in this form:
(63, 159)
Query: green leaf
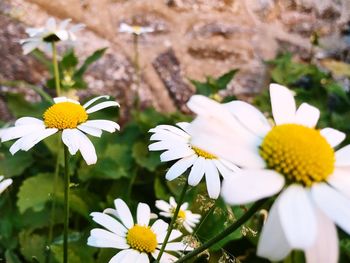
(160, 189)
(78, 252)
(202, 88)
(145, 158)
(32, 246)
(69, 61)
(36, 191)
(225, 79)
(91, 59)
(11, 257)
(19, 107)
(14, 165)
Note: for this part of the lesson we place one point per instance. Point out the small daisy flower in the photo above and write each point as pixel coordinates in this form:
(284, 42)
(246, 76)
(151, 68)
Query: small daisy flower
(185, 217)
(291, 156)
(67, 116)
(4, 183)
(42, 37)
(137, 30)
(178, 145)
(135, 240)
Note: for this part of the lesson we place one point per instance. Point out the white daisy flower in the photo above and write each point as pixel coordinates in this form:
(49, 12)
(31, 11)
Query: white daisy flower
(185, 217)
(137, 30)
(178, 145)
(67, 116)
(292, 156)
(42, 37)
(137, 241)
(4, 183)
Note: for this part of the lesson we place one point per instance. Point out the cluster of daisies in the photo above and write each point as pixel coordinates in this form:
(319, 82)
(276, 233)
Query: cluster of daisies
(242, 156)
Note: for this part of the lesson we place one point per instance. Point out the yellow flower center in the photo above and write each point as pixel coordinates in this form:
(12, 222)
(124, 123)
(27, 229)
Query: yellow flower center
(181, 215)
(142, 238)
(136, 29)
(300, 153)
(203, 153)
(65, 115)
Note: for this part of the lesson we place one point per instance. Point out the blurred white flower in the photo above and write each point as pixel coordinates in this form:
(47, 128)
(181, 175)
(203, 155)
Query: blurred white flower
(185, 217)
(67, 116)
(4, 183)
(177, 144)
(137, 30)
(293, 157)
(135, 240)
(42, 37)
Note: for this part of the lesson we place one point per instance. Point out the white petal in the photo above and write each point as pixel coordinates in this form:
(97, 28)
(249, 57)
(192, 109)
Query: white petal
(103, 238)
(333, 204)
(166, 257)
(86, 148)
(250, 117)
(333, 136)
(102, 105)
(171, 129)
(175, 246)
(124, 213)
(340, 180)
(307, 115)
(90, 102)
(197, 172)
(89, 130)
(29, 47)
(51, 24)
(28, 141)
(105, 125)
(11, 133)
(132, 256)
(342, 156)
(224, 171)
(71, 140)
(28, 121)
(283, 104)
(297, 217)
(121, 256)
(180, 167)
(250, 185)
(177, 153)
(4, 184)
(212, 179)
(142, 258)
(272, 242)
(326, 248)
(109, 223)
(166, 145)
(159, 227)
(175, 234)
(164, 135)
(143, 214)
(60, 99)
(162, 205)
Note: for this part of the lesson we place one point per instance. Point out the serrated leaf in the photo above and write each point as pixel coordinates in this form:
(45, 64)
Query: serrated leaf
(68, 61)
(14, 165)
(36, 191)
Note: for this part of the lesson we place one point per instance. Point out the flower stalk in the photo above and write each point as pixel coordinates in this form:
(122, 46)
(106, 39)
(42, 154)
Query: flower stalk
(173, 220)
(55, 69)
(66, 204)
(255, 207)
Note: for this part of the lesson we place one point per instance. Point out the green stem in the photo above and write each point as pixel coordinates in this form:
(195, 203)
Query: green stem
(53, 206)
(173, 220)
(255, 207)
(66, 205)
(55, 69)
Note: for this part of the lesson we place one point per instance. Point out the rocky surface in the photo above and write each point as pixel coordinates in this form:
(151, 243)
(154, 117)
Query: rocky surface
(208, 37)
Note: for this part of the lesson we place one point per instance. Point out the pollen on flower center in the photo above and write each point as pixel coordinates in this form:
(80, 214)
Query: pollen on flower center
(203, 153)
(65, 115)
(142, 238)
(300, 153)
(182, 214)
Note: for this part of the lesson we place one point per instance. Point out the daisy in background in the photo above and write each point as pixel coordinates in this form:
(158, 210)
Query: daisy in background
(178, 145)
(4, 183)
(66, 116)
(42, 37)
(293, 158)
(185, 217)
(135, 240)
(137, 30)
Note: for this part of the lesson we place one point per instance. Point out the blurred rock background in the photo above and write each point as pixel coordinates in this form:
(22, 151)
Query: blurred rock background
(192, 39)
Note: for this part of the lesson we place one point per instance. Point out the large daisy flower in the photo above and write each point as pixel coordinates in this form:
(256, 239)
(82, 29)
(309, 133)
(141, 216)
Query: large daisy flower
(4, 183)
(291, 156)
(177, 143)
(67, 116)
(185, 218)
(135, 240)
(42, 37)
(137, 30)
